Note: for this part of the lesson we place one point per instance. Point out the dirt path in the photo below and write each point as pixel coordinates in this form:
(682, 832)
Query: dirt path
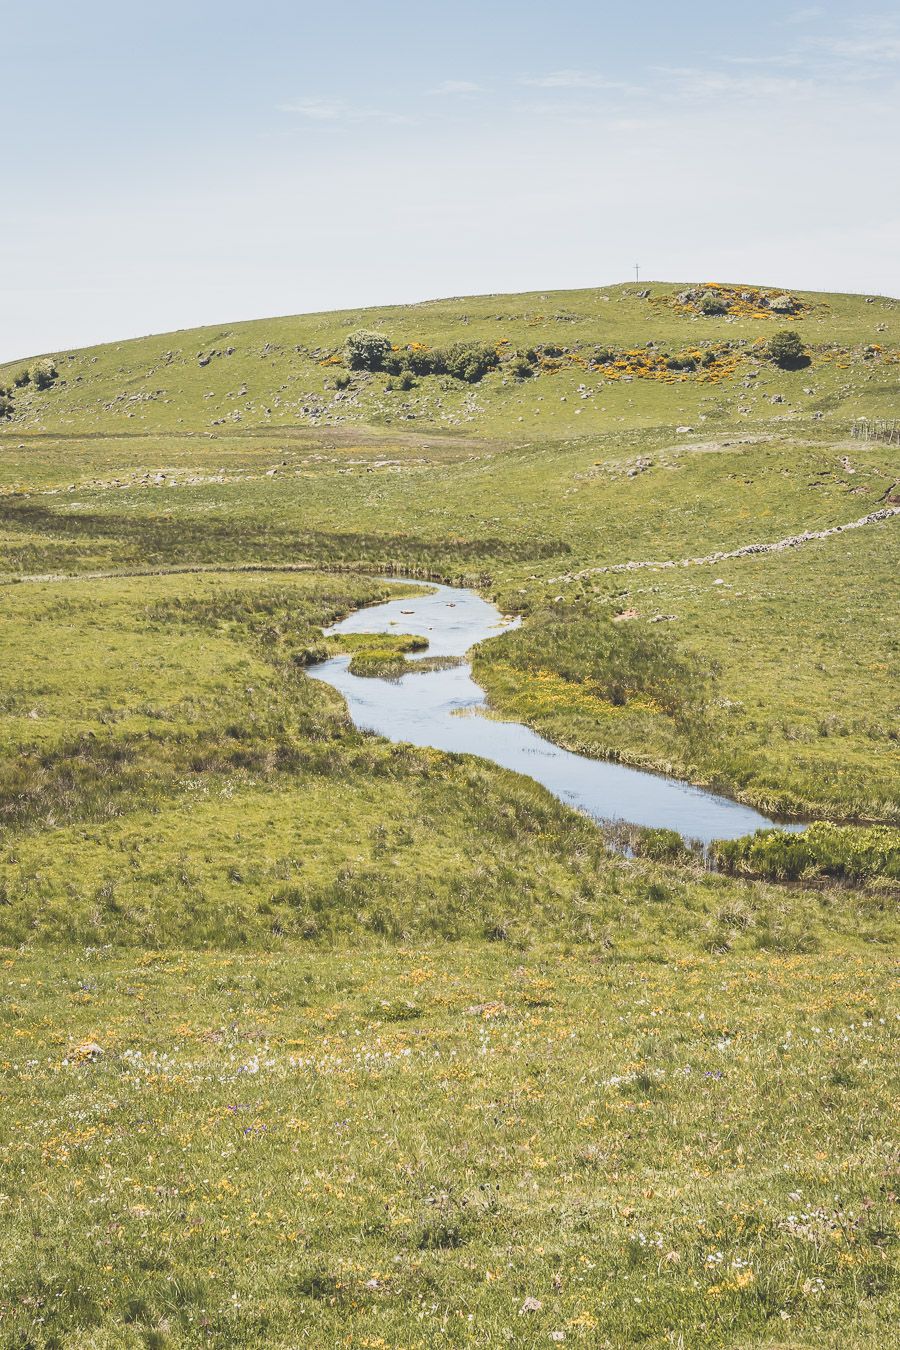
(746, 551)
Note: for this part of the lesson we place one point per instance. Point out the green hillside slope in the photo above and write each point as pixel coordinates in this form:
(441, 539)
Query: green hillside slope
(286, 371)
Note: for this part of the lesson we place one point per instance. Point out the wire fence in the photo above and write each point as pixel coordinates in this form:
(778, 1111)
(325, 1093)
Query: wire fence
(876, 429)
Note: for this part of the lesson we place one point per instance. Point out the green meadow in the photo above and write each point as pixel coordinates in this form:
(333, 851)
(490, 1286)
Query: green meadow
(311, 1039)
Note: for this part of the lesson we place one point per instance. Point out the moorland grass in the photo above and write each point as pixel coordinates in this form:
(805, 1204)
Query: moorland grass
(464, 1145)
(821, 850)
(173, 777)
(308, 1039)
(821, 742)
(801, 721)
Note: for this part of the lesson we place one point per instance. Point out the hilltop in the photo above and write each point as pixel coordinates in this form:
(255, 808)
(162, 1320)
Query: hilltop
(568, 363)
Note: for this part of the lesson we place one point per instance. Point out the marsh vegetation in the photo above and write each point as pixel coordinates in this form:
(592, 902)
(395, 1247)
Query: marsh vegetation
(309, 1037)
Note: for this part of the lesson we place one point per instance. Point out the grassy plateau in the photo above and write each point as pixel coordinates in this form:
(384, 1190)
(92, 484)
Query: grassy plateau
(308, 1039)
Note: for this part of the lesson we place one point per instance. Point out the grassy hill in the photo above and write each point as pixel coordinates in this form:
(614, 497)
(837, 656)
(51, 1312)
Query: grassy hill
(283, 372)
(312, 1039)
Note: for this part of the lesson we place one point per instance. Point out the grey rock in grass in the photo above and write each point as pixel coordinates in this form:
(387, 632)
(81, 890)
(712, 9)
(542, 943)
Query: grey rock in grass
(86, 1053)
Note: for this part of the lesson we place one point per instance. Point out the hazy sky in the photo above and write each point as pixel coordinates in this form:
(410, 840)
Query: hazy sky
(172, 164)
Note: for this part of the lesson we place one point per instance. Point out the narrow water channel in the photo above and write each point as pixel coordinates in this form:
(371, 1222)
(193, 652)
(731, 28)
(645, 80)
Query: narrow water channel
(443, 709)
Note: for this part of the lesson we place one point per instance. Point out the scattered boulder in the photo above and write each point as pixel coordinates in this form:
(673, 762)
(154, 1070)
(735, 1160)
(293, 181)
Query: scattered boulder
(495, 1008)
(640, 465)
(88, 1052)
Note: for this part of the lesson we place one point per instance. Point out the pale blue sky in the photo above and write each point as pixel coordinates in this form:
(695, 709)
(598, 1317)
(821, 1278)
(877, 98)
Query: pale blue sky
(185, 163)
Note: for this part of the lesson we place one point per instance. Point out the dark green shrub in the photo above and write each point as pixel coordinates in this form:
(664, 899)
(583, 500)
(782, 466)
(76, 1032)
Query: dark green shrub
(406, 381)
(521, 367)
(343, 381)
(420, 360)
(711, 304)
(466, 360)
(366, 350)
(6, 403)
(786, 348)
(681, 361)
(21, 377)
(43, 373)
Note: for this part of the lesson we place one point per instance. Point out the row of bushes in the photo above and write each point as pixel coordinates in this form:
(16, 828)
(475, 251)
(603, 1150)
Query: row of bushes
(467, 361)
(42, 374)
(688, 361)
(470, 361)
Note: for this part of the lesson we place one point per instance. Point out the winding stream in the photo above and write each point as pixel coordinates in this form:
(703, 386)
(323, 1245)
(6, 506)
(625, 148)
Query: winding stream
(442, 709)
